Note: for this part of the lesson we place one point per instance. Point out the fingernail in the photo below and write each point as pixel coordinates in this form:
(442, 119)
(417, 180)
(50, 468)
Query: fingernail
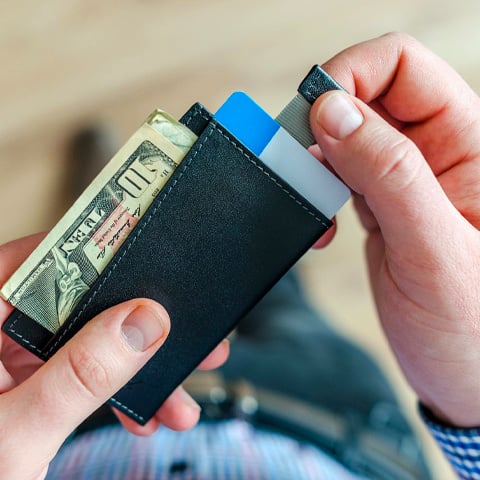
(188, 399)
(142, 328)
(338, 116)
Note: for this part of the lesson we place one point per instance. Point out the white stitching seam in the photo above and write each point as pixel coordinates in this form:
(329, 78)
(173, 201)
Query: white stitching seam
(24, 340)
(249, 157)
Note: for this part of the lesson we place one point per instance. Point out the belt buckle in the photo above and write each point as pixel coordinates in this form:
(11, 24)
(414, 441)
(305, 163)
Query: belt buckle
(220, 400)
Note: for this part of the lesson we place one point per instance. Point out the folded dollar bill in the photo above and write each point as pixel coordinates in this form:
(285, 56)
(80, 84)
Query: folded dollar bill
(53, 279)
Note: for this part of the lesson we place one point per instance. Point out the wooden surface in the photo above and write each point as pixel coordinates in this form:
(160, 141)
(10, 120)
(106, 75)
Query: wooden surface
(69, 63)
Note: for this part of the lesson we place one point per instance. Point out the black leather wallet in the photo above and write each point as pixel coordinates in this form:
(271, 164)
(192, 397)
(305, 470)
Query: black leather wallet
(223, 230)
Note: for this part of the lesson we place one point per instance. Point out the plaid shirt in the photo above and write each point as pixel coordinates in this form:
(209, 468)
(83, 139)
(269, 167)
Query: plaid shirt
(228, 450)
(461, 446)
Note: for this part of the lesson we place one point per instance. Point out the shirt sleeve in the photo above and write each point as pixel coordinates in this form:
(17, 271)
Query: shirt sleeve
(461, 446)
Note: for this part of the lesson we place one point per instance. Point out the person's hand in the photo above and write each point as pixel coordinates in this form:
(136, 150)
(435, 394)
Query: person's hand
(41, 404)
(409, 146)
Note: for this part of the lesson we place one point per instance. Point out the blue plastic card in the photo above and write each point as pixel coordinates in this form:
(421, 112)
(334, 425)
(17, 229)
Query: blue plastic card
(245, 119)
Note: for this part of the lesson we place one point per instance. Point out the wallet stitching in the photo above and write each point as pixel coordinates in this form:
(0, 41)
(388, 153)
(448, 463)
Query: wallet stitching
(130, 244)
(252, 160)
(246, 154)
(198, 111)
(23, 339)
(190, 116)
(274, 180)
(129, 410)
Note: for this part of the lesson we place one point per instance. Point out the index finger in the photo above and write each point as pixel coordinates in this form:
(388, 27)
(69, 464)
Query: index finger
(410, 81)
(417, 92)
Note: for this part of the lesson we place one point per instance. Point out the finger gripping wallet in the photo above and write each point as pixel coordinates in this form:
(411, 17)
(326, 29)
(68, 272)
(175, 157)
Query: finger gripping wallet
(220, 234)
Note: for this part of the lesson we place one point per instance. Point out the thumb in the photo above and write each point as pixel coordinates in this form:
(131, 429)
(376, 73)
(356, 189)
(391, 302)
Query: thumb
(383, 165)
(83, 374)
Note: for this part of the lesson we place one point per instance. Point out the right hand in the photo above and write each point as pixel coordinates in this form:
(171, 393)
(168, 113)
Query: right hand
(408, 145)
(41, 404)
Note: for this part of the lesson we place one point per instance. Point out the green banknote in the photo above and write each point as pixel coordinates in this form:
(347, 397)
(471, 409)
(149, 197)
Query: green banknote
(53, 279)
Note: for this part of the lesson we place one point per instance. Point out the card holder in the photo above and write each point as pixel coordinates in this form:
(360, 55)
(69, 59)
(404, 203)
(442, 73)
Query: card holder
(221, 233)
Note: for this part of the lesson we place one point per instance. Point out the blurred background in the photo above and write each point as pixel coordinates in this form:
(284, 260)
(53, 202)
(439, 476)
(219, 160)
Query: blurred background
(68, 64)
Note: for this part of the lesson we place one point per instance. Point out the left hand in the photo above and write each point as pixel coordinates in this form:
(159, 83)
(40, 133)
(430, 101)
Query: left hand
(42, 403)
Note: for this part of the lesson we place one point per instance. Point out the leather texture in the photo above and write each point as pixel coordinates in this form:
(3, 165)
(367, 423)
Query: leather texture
(316, 82)
(220, 234)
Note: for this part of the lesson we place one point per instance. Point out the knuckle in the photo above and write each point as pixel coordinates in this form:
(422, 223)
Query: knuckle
(397, 163)
(89, 374)
(401, 39)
